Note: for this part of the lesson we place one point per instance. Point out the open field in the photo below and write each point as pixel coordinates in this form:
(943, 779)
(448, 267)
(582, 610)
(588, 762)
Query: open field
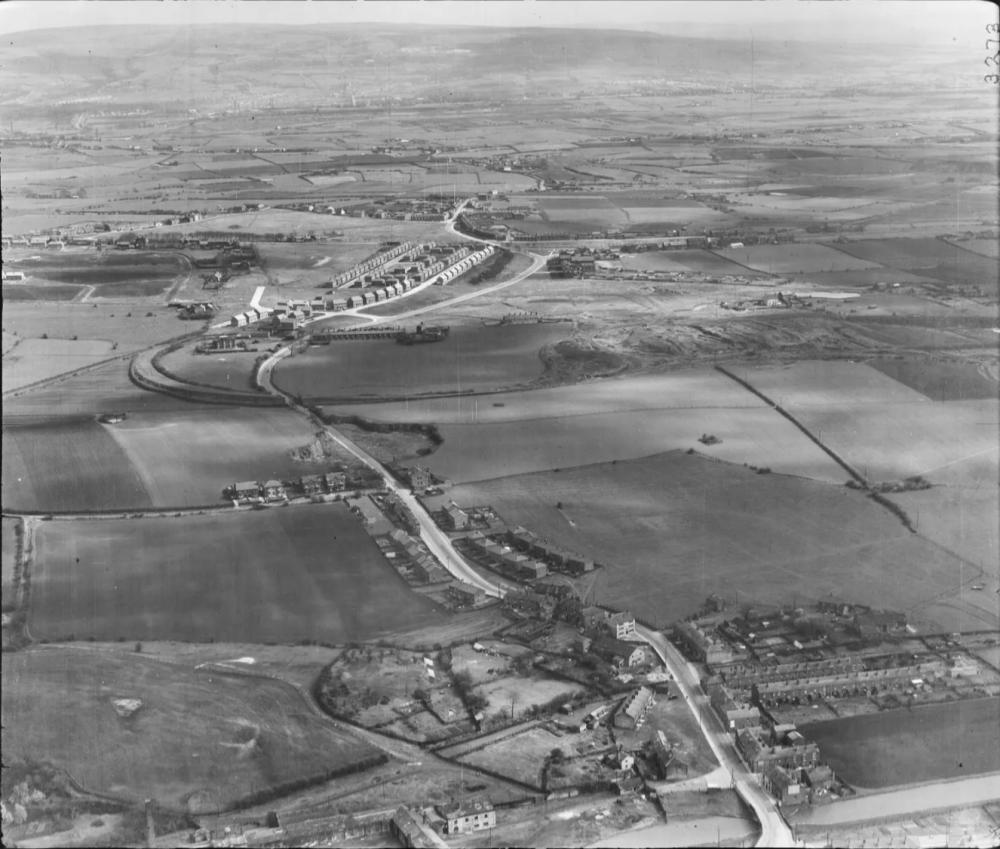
(940, 380)
(284, 574)
(617, 419)
(818, 383)
(948, 442)
(931, 258)
(789, 258)
(113, 274)
(67, 464)
(129, 325)
(37, 359)
(227, 369)
(105, 388)
(40, 292)
(520, 694)
(673, 528)
(469, 359)
(682, 261)
(187, 458)
(240, 735)
(924, 743)
(519, 756)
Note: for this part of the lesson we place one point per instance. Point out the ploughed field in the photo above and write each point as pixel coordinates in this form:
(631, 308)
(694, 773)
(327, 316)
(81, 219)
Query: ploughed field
(200, 740)
(283, 574)
(674, 527)
(470, 359)
(929, 742)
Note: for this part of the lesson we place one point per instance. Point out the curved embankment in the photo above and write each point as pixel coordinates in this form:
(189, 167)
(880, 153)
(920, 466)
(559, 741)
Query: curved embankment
(143, 372)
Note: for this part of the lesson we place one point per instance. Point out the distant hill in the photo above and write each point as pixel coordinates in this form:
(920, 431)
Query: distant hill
(209, 66)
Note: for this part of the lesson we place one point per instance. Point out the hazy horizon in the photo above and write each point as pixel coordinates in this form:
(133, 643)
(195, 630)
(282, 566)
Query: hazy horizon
(927, 23)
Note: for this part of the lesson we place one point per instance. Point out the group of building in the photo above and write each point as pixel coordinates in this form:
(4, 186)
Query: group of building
(422, 828)
(310, 486)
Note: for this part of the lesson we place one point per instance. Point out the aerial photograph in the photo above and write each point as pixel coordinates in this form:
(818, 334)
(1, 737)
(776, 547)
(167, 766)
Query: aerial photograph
(526, 423)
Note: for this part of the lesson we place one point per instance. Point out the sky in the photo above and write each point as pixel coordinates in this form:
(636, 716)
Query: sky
(917, 22)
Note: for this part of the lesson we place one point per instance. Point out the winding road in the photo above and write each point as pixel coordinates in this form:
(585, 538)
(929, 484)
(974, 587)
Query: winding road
(774, 829)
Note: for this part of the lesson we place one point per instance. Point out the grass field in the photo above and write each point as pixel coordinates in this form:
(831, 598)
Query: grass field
(819, 383)
(103, 389)
(617, 419)
(470, 359)
(199, 739)
(285, 574)
(229, 369)
(902, 747)
(686, 261)
(188, 457)
(788, 258)
(940, 380)
(46, 292)
(113, 274)
(929, 257)
(37, 359)
(519, 756)
(68, 464)
(674, 528)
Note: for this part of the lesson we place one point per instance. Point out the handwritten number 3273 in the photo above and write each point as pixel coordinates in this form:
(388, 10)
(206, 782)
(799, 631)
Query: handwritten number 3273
(993, 44)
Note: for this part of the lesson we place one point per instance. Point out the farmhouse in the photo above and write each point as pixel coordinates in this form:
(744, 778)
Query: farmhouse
(274, 490)
(335, 481)
(465, 595)
(412, 830)
(621, 624)
(311, 484)
(455, 518)
(620, 655)
(781, 747)
(632, 713)
(461, 818)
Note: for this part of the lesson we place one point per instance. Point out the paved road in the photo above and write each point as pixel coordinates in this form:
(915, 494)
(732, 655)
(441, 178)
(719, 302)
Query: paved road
(774, 830)
(436, 540)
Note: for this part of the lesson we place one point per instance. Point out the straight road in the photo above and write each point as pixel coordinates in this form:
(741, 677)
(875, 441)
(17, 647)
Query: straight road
(774, 829)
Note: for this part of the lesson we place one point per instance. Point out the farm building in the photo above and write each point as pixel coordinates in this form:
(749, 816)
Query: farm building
(530, 604)
(619, 654)
(632, 713)
(464, 817)
(789, 749)
(246, 491)
(13, 277)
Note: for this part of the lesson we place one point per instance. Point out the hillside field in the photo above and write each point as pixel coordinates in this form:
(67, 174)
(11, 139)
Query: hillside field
(674, 527)
(308, 572)
(200, 740)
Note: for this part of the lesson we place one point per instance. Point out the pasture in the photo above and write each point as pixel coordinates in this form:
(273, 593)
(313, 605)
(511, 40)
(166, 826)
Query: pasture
(940, 380)
(38, 359)
(283, 575)
(200, 740)
(617, 419)
(673, 528)
(927, 743)
(792, 258)
(187, 457)
(470, 359)
(684, 261)
(113, 274)
(61, 464)
(935, 258)
(226, 369)
(519, 756)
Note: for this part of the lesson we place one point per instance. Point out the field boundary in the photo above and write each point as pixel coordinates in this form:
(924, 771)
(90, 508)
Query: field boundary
(865, 485)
